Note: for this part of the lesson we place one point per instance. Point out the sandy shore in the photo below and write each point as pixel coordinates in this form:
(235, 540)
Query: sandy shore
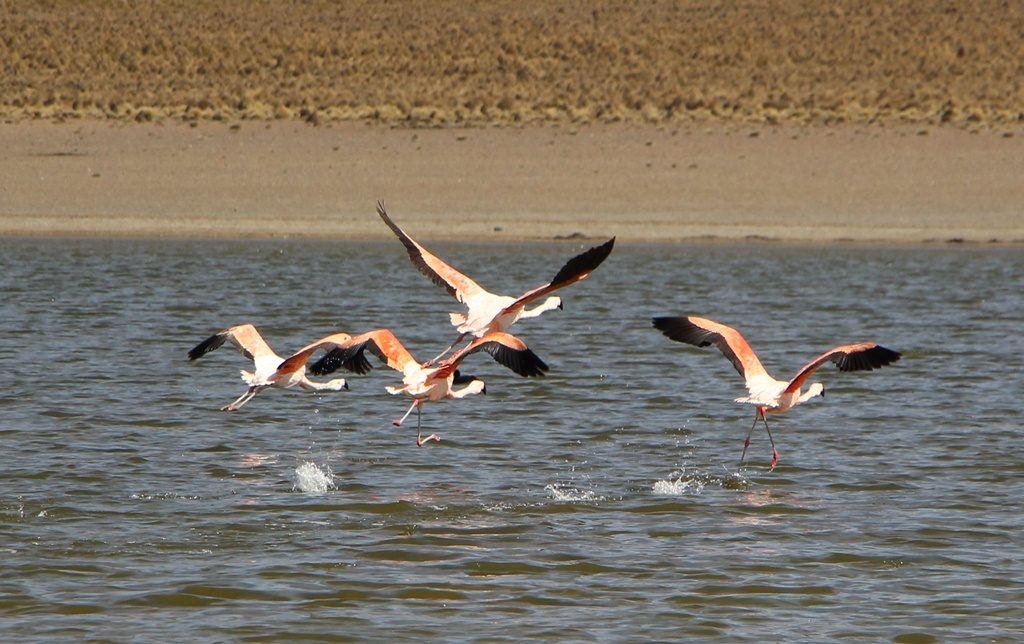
(893, 121)
(641, 183)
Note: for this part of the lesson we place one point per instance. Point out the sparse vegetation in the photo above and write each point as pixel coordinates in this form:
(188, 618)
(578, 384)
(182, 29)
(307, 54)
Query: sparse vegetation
(445, 62)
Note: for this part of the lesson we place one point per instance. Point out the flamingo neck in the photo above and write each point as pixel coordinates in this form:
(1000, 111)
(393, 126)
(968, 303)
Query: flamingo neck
(547, 305)
(814, 390)
(472, 388)
(332, 385)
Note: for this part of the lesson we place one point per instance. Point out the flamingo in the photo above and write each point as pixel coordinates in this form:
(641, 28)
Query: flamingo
(252, 345)
(424, 382)
(486, 311)
(771, 396)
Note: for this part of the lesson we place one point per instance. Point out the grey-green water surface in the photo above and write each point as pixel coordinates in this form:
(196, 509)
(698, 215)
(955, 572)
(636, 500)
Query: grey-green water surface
(603, 502)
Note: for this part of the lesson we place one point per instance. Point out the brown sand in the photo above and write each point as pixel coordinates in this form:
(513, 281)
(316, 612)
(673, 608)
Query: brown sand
(899, 120)
(642, 183)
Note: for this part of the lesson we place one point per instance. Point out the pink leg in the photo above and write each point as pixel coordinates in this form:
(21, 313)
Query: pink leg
(746, 443)
(419, 439)
(244, 398)
(775, 452)
(432, 361)
(398, 421)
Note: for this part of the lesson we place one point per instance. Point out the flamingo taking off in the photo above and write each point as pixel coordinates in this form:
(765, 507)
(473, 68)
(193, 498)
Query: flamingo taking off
(424, 382)
(252, 345)
(771, 396)
(488, 312)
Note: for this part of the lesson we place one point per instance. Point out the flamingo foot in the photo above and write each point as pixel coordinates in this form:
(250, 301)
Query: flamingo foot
(775, 459)
(397, 422)
(432, 437)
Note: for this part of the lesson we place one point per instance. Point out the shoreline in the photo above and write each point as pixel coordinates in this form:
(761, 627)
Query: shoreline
(644, 184)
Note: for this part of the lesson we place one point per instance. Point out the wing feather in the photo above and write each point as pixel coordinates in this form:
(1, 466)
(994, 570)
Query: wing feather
(701, 332)
(351, 355)
(299, 359)
(437, 270)
(863, 356)
(506, 349)
(574, 270)
(246, 338)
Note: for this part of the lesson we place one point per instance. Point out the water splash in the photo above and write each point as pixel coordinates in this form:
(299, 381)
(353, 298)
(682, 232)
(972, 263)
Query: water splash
(678, 487)
(569, 494)
(681, 484)
(310, 478)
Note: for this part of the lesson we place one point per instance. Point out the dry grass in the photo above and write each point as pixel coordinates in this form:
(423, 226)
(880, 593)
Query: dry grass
(515, 61)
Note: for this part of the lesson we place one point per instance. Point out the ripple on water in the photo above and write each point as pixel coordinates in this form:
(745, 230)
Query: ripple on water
(601, 503)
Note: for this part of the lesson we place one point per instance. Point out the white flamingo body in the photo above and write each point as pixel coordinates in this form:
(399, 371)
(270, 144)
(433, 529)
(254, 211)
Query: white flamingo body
(488, 312)
(248, 340)
(427, 382)
(767, 394)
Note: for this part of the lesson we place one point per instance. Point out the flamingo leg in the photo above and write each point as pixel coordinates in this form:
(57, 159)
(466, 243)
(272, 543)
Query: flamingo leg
(432, 361)
(746, 443)
(398, 422)
(775, 452)
(244, 398)
(419, 439)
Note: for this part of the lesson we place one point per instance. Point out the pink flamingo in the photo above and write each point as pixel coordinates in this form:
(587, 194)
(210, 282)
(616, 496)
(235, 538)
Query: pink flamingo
(486, 311)
(769, 395)
(424, 382)
(250, 343)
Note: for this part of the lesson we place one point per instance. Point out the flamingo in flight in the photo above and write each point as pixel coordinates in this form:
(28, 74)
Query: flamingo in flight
(252, 345)
(424, 382)
(486, 311)
(769, 395)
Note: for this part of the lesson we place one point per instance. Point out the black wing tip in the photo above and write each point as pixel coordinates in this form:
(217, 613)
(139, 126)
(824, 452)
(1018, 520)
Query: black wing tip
(868, 360)
(680, 329)
(206, 346)
(329, 363)
(533, 366)
(523, 362)
(881, 356)
(352, 359)
(585, 262)
(459, 378)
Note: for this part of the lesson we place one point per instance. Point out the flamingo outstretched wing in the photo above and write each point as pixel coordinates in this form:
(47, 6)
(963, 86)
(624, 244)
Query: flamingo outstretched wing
(506, 349)
(701, 332)
(862, 356)
(245, 337)
(574, 270)
(380, 342)
(440, 273)
(299, 359)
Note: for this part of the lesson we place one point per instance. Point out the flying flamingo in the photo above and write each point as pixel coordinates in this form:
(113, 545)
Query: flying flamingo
(771, 396)
(488, 312)
(424, 382)
(252, 345)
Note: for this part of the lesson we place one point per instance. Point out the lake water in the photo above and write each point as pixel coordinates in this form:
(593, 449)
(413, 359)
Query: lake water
(603, 502)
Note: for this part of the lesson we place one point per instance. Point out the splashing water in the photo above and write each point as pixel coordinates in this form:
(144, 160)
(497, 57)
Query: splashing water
(311, 479)
(568, 494)
(678, 487)
(679, 484)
